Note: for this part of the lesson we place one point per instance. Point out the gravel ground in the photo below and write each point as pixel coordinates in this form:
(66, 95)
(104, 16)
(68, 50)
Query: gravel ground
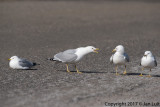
(37, 30)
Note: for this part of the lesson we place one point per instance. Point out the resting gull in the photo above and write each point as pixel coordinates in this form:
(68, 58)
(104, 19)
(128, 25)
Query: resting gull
(19, 63)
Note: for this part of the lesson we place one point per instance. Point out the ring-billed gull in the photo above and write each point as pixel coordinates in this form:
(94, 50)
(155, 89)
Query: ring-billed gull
(19, 63)
(72, 56)
(119, 58)
(148, 61)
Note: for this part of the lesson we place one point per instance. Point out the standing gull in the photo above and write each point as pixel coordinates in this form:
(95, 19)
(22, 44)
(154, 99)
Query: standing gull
(19, 63)
(148, 61)
(119, 58)
(72, 56)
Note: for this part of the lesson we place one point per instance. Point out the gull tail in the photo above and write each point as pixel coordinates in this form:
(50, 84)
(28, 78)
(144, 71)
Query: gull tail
(51, 59)
(34, 64)
(140, 64)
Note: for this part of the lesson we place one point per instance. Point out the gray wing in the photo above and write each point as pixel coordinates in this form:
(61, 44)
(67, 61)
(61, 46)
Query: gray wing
(25, 63)
(66, 56)
(126, 57)
(71, 51)
(155, 62)
(111, 59)
(140, 62)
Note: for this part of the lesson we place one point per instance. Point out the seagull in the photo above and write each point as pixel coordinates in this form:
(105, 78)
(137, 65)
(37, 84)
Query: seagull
(119, 58)
(148, 61)
(19, 63)
(72, 56)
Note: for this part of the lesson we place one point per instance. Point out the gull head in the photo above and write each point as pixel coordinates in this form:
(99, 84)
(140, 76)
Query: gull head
(147, 53)
(13, 58)
(92, 49)
(119, 48)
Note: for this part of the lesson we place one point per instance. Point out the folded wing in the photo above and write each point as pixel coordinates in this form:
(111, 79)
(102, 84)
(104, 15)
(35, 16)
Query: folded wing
(25, 63)
(126, 57)
(66, 56)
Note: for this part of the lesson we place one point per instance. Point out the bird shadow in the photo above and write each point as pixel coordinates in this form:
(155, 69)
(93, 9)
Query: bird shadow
(129, 74)
(142, 74)
(31, 69)
(92, 72)
(83, 71)
(155, 75)
(21, 70)
(137, 74)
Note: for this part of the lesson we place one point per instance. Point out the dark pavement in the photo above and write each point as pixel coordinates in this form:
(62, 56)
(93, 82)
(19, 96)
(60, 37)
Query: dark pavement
(37, 30)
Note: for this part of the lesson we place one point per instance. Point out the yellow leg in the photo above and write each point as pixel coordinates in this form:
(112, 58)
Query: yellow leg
(125, 72)
(149, 74)
(116, 70)
(68, 68)
(77, 70)
(141, 73)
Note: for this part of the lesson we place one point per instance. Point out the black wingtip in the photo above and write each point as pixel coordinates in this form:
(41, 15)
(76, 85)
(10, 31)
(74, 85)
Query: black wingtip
(47, 58)
(51, 59)
(34, 64)
(140, 64)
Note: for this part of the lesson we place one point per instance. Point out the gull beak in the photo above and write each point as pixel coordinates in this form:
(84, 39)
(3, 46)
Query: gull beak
(9, 59)
(145, 55)
(96, 50)
(114, 50)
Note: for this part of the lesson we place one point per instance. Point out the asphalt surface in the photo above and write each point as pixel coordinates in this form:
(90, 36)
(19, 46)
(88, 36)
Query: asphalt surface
(37, 30)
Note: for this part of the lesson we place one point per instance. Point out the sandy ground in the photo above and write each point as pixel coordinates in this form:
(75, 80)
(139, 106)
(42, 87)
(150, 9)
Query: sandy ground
(37, 30)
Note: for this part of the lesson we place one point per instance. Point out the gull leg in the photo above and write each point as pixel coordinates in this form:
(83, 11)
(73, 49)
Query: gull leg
(141, 73)
(116, 70)
(77, 70)
(68, 68)
(149, 74)
(125, 72)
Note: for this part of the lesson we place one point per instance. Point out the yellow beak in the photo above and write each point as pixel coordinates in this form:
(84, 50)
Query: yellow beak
(96, 50)
(9, 59)
(114, 50)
